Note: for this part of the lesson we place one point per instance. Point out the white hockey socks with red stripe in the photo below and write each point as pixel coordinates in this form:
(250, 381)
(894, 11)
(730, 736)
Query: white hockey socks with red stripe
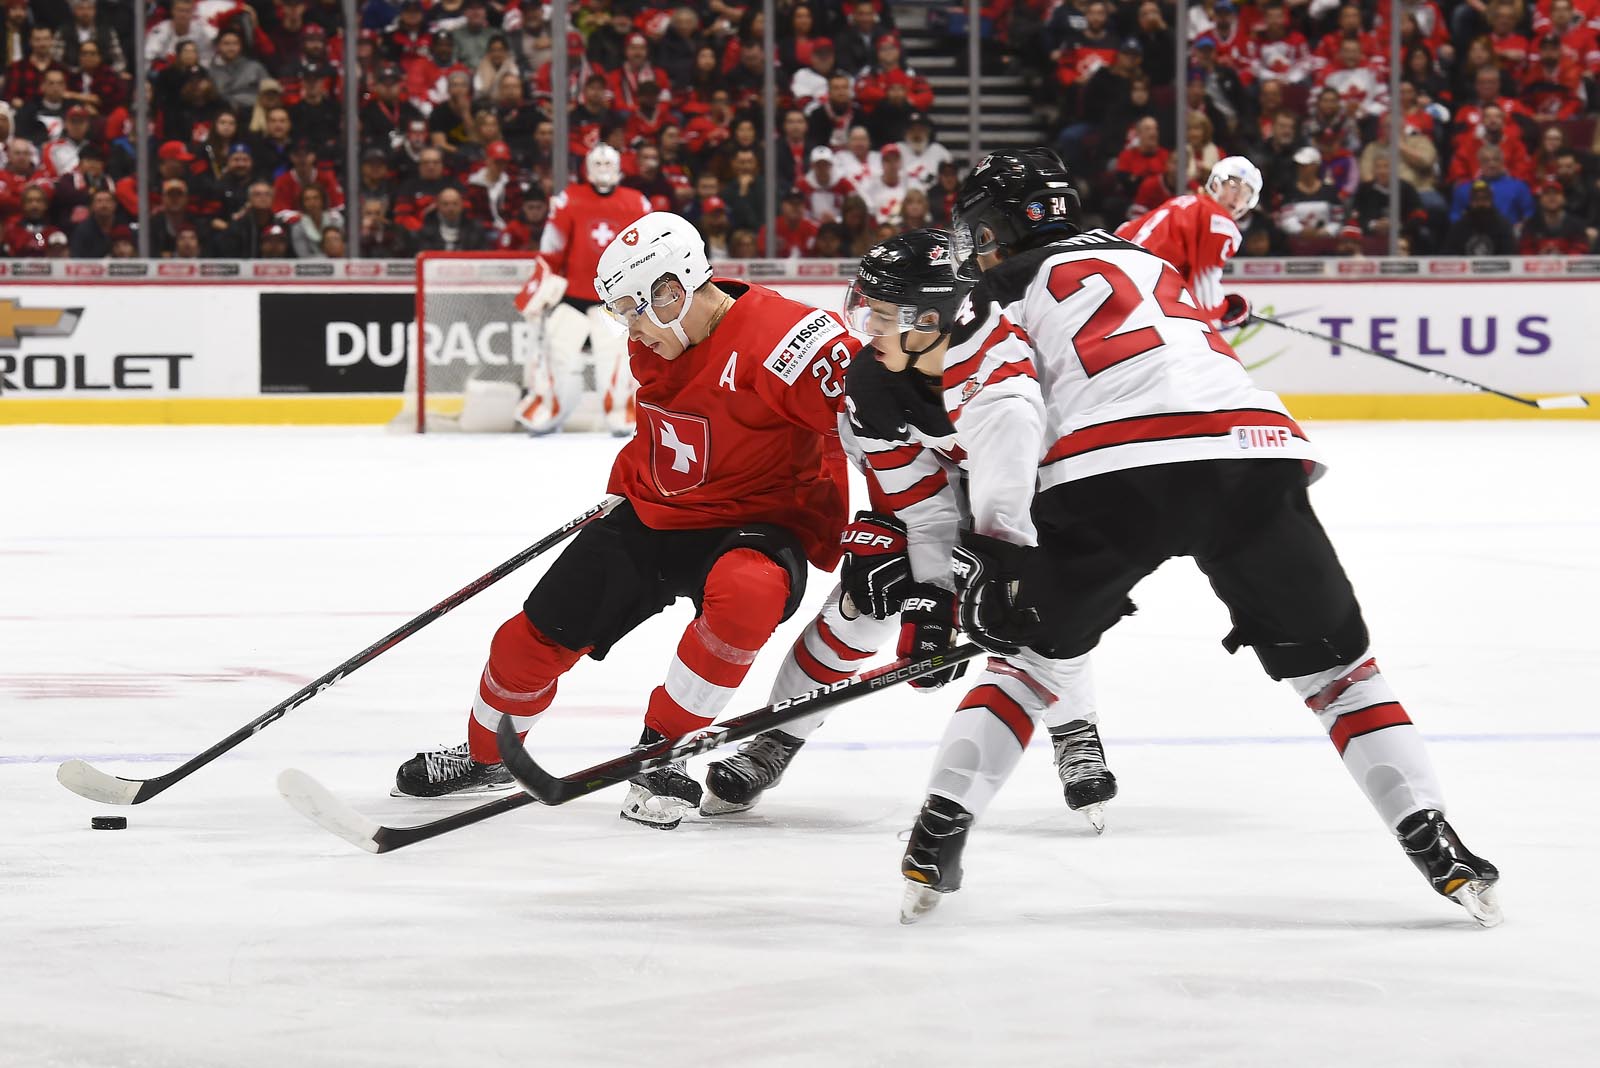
(1375, 738)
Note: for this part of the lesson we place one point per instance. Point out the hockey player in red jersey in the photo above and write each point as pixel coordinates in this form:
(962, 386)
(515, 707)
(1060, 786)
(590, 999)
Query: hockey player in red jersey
(1197, 234)
(584, 219)
(1157, 444)
(902, 430)
(735, 480)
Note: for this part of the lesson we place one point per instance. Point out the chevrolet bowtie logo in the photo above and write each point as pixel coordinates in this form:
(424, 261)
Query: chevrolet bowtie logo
(17, 322)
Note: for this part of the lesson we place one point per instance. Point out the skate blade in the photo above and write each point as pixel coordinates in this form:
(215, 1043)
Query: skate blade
(651, 810)
(712, 805)
(1481, 902)
(917, 901)
(470, 791)
(1096, 815)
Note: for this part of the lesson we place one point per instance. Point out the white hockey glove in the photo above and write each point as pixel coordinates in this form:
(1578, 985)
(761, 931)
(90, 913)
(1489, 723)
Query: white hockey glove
(542, 291)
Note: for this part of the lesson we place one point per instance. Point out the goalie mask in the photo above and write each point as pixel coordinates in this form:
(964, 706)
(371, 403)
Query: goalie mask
(904, 285)
(603, 168)
(635, 271)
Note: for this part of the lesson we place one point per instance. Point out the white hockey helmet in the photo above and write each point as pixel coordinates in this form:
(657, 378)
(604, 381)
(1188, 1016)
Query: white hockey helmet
(1241, 170)
(662, 244)
(603, 167)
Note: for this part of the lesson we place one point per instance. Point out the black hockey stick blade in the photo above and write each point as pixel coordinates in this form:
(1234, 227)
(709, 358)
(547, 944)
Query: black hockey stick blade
(559, 789)
(86, 780)
(1570, 400)
(316, 803)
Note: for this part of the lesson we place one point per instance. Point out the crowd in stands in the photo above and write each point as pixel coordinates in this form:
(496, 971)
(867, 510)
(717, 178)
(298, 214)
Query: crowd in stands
(1498, 102)
(456, 143)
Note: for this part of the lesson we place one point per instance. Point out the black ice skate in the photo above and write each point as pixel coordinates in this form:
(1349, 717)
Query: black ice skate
(1468, 880)
(1086, 783)
(932, 863)
(737, 783)
(660, 798)
(448, 771)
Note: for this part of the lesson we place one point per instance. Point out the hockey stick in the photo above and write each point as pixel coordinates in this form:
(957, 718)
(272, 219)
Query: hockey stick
(85, 780)
(1570, 400)
(558, 790)
(315, 802)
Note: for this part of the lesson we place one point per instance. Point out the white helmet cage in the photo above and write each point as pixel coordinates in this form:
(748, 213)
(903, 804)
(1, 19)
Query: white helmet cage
(1236, 168)
(661, 244)
(603, 167)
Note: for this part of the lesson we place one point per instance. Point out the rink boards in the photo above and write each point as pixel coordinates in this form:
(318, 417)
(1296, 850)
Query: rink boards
(328, 342)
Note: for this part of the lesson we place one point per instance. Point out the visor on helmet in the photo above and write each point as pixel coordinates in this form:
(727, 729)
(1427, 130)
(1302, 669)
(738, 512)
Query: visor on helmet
(875, 317)
(626, 309)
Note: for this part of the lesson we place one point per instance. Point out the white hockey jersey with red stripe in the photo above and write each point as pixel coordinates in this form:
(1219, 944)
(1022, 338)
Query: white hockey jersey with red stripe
(998, 414)
(1132, 372)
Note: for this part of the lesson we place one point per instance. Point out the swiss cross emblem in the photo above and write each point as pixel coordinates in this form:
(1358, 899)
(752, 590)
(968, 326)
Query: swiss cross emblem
(680, 446)
(631, 237)
(602, 233)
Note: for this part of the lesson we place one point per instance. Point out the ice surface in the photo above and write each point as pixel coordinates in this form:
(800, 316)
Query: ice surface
(161, 587)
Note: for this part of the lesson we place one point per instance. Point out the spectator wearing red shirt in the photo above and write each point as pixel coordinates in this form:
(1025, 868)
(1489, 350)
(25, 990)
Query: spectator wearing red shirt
(1326, 54)
(25, 77)
(1493, 130)
(1145, 157)
(1357, 82)
(579, 70)
(636, 71)
(1486, 89)
(1233, 39)
(873, 87)
(408, 41)
(94, 84)
(24, 235)
(1552, 230)
(304, 170)
(414, 200)
(650, 114)
(592, 117)
(1578, 41)
(1552, 84)
(795, 234)
(1511, 49)
(1579, 13)
(705, 133)
(494, 195)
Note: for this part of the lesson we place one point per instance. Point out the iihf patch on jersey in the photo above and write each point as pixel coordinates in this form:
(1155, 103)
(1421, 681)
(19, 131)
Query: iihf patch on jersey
(794, 353)
(1249, 438)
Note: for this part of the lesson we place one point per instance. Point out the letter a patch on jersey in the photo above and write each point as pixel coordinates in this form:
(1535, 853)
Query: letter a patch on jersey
(680, 448)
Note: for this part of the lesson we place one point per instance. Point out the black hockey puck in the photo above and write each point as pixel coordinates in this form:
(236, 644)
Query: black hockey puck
(109, 823)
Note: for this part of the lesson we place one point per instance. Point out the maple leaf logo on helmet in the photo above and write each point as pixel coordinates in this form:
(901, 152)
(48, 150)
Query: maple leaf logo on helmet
(939, 253)
(631, 237)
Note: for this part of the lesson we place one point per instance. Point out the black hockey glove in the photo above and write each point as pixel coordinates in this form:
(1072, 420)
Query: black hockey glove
(875, 571)
(927, 628)
(1235, 311)
(989, 573)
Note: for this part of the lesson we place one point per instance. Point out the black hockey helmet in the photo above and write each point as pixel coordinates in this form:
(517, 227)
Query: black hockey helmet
(1014, 199)
(916, 273)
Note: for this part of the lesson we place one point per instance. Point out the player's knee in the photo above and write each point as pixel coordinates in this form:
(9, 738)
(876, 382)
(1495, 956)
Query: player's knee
(746, 594)
(522, 660)
(1294, 659)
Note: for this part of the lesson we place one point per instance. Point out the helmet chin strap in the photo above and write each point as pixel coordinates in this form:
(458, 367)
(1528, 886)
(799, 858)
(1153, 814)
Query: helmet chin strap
(911, 357)
(676, 325)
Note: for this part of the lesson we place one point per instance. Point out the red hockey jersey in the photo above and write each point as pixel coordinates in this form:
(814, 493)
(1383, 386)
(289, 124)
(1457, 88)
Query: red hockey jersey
(1197, 236)
(743, 427)
(580, 226)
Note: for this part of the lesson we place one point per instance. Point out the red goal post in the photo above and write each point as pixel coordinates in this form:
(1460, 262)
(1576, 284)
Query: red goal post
(467, 329)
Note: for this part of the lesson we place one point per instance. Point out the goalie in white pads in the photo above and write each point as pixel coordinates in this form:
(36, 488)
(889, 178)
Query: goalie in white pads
(898, 558)
(560, 298)
(1157, 445)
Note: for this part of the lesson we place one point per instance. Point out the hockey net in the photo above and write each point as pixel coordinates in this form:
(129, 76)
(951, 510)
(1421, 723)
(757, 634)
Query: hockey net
(468, 367)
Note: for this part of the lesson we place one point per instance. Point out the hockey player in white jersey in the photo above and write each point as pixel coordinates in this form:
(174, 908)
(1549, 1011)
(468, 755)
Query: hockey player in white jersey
(898, 558)
(1156, 444)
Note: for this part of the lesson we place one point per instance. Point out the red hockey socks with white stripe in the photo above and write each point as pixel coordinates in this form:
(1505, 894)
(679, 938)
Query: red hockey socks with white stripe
(743, 603)
(1375, 738)
(518, 681)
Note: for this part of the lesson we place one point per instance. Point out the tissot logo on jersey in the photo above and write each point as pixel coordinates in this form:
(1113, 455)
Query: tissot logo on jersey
(790, 359)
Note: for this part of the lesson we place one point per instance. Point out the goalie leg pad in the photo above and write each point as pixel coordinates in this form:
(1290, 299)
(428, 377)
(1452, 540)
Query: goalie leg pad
(489, 407)
(608, 342)
(742, 603)
(518, 681)
(550, 377)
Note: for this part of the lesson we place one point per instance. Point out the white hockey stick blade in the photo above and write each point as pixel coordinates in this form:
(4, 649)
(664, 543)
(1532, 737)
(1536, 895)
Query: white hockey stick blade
(86, 780)
(1571, 400)
(312, 800)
